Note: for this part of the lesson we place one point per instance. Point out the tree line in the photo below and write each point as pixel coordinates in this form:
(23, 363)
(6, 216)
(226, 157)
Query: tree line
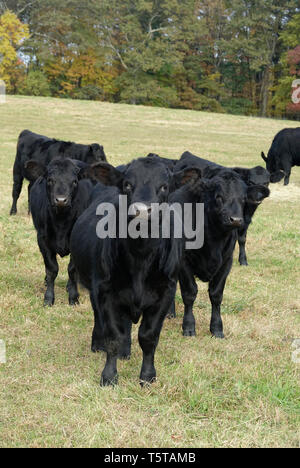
(238, 56)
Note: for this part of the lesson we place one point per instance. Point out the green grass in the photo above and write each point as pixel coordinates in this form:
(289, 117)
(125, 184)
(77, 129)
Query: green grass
(239, 392)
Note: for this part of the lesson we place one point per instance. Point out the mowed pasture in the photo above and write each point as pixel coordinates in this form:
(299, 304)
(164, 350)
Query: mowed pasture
(239, 392)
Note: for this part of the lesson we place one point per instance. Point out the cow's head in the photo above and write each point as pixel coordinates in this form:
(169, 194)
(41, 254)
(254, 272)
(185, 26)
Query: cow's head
(95, 154)
(273, 167)
(144, 181)
(228, 197)
(62, 176)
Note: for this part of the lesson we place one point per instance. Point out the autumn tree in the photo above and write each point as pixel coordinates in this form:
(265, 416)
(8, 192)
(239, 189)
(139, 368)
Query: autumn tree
(12, 35)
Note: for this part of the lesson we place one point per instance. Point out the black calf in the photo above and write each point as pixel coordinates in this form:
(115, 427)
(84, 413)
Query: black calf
(58, 197)
(224, 205)
(42, 149)
(128, 278)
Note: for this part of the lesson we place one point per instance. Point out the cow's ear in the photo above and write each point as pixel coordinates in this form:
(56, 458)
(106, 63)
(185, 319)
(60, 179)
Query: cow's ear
(106, 174)
(276, 177)
(257, 193)
(243, 173)
(190, 175)
(264, 157)
(34, 170)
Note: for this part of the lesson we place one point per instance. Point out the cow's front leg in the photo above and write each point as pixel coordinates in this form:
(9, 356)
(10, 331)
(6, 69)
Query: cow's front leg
(287, 178)
(72, 284)
(287, 167)
(51, 267)
(149, 333)
(216, 289)
(114, 334)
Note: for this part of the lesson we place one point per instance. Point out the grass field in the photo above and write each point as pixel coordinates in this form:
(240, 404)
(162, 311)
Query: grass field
(239, 392)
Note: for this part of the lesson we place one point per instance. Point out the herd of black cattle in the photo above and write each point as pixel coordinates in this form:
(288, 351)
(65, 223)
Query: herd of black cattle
(132, 278)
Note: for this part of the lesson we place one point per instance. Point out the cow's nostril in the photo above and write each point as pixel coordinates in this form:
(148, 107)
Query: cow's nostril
(236, 221)
(61, 201)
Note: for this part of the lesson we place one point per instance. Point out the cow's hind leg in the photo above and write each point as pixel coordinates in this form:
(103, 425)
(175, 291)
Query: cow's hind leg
(29, 190)
(242, 237)
(125, 347)
(97, 336)
(189, 292)
(172, 311)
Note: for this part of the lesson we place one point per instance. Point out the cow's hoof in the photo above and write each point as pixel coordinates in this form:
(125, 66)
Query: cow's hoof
(147, 379)
(13, 212)
(144, 383)
(219, 335)
(188, 332)
(48, 302)
(107, 381)
(74, 301)
(172, 315)
(243, 263)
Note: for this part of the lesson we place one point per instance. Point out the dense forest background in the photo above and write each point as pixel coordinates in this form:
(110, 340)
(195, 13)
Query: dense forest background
(238, 56)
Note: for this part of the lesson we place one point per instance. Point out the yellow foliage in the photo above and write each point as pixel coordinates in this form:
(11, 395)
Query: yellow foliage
(12, 34)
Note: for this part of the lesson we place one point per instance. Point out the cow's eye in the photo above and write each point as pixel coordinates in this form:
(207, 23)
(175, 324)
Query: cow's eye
(75, 183)
(219, 200)
(163, 188)
(50, 182)
(127, 186)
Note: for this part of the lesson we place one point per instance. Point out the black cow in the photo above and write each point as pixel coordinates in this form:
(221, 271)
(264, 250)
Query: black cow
(43, 149)
(224, 205)
(128, 278)
(58, 198)
(254, 176)
(283, 154)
